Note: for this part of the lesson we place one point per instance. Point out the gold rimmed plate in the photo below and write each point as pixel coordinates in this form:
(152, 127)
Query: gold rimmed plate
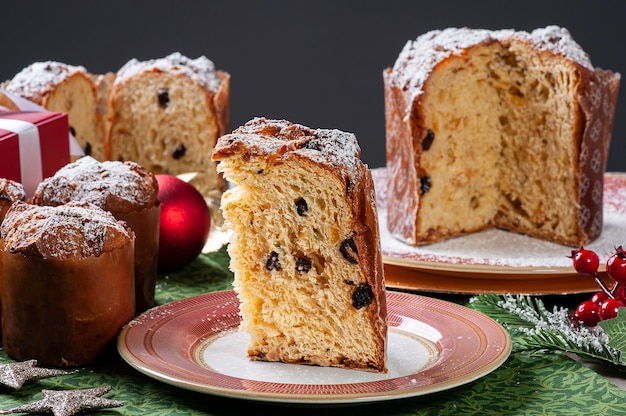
(195, 344)
(497, 260)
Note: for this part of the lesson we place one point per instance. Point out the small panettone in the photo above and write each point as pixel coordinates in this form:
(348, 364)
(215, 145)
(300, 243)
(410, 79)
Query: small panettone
(67, 282)
(69, 89)
(305, 247)
(129, 192)
(166, 114)
(504, 129)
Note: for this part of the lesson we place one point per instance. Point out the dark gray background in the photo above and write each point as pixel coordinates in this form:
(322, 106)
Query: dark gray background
(317, 63)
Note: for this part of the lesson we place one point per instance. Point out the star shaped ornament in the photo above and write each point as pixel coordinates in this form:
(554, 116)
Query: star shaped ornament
(67, 402)
(14, 375)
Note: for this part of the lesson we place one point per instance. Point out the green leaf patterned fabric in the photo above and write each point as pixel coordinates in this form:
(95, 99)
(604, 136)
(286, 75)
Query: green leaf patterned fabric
(527, 383)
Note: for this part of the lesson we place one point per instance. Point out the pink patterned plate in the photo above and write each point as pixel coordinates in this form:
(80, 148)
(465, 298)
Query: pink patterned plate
(497, 254)
(194, 344)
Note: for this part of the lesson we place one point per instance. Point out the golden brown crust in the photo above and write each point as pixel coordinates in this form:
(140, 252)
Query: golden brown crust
(8, 103)
(280, 139)
(74, 230)
(10, 192)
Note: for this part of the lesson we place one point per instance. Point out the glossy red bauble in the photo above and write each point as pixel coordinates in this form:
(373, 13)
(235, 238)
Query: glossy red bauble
(185, 223)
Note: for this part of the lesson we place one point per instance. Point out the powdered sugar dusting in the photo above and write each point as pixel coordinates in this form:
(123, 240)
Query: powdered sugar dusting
(67, 231)
(503, 248)
(558, 40)
(419, 57)
(11, 190)
(274, 138)
(110, 185)
(201, 70)
(39, 77)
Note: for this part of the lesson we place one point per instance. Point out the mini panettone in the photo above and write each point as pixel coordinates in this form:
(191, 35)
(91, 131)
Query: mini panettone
(130, 193)
(67, 282)
(503, 129)
(166, 114)
(64, 88)
(305, 247)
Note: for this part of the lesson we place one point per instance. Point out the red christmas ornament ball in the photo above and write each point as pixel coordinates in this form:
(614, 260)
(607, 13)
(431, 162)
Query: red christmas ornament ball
(185, 223)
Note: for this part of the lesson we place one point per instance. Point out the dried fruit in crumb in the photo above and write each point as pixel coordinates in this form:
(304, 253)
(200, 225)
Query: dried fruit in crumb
(163, 96)
(428, 139)
(303, 264)
(362, 296)
(179, 151)
(348, 250)
(425, 185)
(272, 262)
(301, 206)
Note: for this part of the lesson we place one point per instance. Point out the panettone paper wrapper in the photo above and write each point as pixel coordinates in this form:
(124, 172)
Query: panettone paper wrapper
(145, 223)
(65, 313)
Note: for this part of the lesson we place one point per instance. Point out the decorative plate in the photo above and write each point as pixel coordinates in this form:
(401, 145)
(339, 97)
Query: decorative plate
(524, 262)
(194, 344)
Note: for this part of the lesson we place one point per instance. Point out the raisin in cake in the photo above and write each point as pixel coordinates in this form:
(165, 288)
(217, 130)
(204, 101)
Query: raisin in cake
(65, 88)
(166, 114)
(305, 247)
(504, 129)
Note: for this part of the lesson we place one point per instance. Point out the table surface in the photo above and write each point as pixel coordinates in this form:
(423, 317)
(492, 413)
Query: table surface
(527, 383)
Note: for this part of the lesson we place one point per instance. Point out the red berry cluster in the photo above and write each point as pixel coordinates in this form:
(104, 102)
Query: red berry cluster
(605, 303)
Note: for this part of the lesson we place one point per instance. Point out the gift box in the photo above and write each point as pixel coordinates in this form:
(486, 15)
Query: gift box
(33, 146)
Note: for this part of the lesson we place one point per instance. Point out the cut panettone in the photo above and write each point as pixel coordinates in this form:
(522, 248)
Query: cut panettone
(501, 129)
(166, 114)
(305, 247)
(69, 89)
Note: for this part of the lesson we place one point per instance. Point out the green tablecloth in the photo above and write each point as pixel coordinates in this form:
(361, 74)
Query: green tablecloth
(547, 384)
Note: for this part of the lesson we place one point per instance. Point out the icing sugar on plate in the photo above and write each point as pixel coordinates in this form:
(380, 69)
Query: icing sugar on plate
(495, 251)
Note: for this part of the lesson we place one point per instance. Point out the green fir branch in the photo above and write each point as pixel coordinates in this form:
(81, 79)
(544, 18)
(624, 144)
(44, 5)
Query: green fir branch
(534, 328)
